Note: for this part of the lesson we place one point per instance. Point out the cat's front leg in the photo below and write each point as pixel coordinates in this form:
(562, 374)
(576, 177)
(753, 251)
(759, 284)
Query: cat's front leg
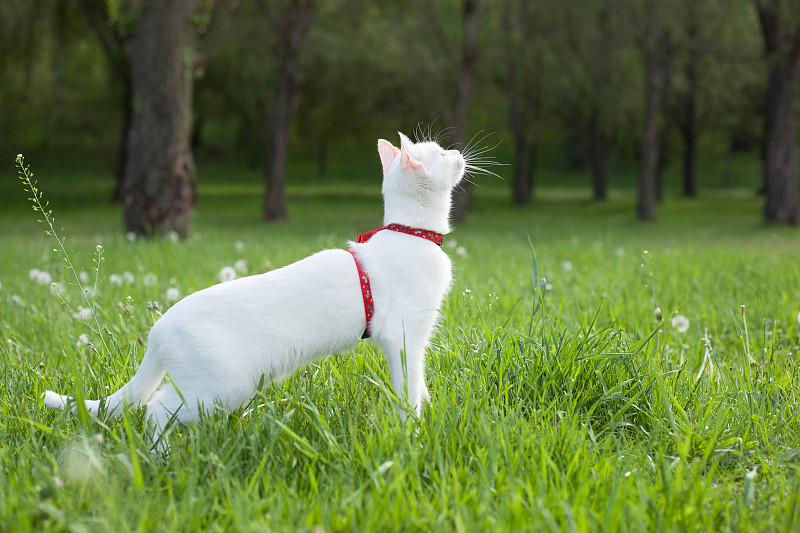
(406, 360)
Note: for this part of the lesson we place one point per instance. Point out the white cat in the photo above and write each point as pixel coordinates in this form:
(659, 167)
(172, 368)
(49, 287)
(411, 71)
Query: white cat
(218, 343)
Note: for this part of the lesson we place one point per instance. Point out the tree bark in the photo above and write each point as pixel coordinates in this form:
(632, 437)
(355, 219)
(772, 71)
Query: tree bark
(466, 81)
(599, 156)
(782, 50)
(291, 26)
(656, 74)
(159, 190)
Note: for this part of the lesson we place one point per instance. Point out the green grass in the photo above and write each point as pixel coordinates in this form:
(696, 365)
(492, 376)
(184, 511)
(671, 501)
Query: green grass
(590, 415)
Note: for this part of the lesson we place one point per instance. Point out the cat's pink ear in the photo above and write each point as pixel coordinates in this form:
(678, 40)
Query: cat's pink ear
(388, 153)
(406, 161)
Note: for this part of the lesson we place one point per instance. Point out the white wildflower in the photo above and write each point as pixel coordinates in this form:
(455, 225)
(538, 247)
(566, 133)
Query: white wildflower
(33, 274)
(16, 299)
(240, 266)
(173, 294)
(115, 279)
(131, 236)
(128, 277)
(239, 246)
(57, 289)
(83, 340)
(566, 265)
(227, 273)
(173, 236)
(680, 323)
(150, 279)
(83, 276)
(89, 292)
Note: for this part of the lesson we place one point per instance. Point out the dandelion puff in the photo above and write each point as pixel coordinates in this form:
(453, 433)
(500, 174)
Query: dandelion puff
(84, 313)
(33, 274)
(461, 251)
(149, 279)
(680, 323)
(131, 236)
(451, 243)
(566, 265)
(240, 266)
(83, 340)
(115, 279)
(226, 273)
(173, 294)
(238, 246)
(173, 236)
(15, 299)
(128, 277)
(83, 276)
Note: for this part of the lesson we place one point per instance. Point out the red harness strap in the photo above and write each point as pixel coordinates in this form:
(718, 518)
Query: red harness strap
(366, 290)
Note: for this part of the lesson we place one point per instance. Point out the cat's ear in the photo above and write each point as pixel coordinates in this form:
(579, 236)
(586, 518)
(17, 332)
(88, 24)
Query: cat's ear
(388, 153)
(406, 161)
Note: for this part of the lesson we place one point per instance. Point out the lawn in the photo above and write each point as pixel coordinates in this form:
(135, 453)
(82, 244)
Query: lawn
(652, 385)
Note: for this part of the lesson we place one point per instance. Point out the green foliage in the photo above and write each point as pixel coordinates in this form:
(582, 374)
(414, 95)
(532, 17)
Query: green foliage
(591, 414)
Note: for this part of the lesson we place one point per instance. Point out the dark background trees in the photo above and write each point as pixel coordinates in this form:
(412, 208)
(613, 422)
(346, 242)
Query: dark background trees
(601, 90)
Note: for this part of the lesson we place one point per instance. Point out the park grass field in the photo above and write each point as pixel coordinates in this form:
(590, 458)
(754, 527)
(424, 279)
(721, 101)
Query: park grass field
(575, 408)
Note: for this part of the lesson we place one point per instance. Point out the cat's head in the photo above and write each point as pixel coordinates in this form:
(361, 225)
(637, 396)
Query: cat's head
(417, 181)
(422, 165)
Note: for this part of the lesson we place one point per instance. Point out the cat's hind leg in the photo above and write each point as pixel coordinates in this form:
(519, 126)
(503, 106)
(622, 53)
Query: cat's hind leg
(165, 409)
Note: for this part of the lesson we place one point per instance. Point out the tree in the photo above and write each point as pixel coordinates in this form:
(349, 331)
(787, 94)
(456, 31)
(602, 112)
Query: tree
(466, 81)
(780, 26)
(159, 190)
(523, 51)
(657, 55)
(291, 20)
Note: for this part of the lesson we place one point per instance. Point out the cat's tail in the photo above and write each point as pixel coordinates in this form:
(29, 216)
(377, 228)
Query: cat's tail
(134, 393)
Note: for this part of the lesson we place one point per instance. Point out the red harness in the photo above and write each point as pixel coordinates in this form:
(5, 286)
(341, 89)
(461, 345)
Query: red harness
(366, 291)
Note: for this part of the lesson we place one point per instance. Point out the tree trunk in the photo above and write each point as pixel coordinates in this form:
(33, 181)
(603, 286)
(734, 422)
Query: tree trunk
(599, 156)
(291, 26)
(466, 81)
(159, 190)
(655, 70)
(782, 50)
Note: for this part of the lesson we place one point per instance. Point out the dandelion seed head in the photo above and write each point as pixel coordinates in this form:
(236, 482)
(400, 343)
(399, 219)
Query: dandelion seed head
(240, 266)
(238, 246)
(128, 277)
(680, 323)
(84, 313)
(566, 265)
(83, 276)
(57, 289)
(173, 294)
(173, 236)
(131, 236)
(83, 340)
(461, 251)
(115, 279)
(227, 273)
(149, 279)
(15, 299)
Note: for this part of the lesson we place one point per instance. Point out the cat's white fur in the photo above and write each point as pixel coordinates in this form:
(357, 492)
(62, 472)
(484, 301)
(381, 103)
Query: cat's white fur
(219, 343)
